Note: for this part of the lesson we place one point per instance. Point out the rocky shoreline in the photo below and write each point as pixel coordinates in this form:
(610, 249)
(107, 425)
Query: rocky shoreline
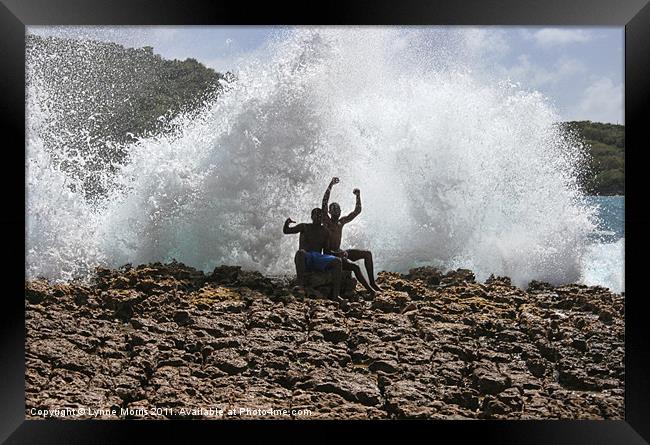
(168, 341)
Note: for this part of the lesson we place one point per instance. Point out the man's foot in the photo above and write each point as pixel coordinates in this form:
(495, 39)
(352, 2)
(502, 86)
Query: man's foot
(299, 291)
(376, 287)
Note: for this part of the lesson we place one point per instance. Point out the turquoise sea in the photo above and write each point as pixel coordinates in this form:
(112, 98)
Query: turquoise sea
(604, 262)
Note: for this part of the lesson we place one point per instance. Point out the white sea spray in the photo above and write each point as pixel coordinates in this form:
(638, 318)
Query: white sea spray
(456, 168)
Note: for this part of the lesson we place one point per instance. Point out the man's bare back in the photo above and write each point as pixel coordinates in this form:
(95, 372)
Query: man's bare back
(314, 239)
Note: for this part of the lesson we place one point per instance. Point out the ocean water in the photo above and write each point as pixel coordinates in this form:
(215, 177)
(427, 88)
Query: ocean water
(457, 168)
(604, 261)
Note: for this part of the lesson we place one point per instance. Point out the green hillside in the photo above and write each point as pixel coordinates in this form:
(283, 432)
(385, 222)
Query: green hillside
(606, 145)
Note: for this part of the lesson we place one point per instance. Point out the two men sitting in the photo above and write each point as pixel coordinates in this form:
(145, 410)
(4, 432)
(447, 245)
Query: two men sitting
(320, 245)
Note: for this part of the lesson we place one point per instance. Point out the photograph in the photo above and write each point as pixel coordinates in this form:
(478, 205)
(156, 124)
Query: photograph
(325, 222)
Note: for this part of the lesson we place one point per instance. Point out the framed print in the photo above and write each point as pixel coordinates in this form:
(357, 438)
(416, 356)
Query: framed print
(418, 215)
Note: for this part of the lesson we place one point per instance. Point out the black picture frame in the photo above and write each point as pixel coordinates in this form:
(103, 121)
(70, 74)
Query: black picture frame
(634, 15)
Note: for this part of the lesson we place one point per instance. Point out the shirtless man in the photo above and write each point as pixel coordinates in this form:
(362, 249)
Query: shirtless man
(334, 224)
(314, 238)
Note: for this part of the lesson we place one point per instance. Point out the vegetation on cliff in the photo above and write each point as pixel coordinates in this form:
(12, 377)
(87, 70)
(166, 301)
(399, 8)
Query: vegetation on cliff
(606, 146)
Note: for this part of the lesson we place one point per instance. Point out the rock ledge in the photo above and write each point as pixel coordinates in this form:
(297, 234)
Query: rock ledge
(168, 341)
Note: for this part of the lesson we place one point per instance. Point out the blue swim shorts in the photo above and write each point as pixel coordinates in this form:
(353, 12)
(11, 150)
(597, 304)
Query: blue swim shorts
(317, 261)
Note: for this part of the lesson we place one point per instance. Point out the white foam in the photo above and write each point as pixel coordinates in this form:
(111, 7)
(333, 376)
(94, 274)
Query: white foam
(456, 169)
(603, 265)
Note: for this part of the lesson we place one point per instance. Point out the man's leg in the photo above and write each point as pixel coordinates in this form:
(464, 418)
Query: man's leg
(366, 256)
(335, 266)
(300, 261)
(349, 265)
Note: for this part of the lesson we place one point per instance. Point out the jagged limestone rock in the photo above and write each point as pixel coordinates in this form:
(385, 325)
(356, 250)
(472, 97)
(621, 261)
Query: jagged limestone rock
(154, 339)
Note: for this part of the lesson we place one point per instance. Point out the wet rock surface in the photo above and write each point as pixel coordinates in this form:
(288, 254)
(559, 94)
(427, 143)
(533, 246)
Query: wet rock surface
(433, 345)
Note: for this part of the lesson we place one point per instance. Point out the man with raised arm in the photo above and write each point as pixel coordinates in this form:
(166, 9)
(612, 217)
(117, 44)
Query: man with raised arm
(334, 223)
(314, 239)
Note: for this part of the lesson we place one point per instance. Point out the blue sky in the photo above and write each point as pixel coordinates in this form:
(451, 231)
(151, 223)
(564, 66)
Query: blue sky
(581, 70)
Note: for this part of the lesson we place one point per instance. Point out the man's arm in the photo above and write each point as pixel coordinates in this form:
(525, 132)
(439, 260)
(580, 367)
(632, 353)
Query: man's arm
(296, 229)
(357, 209)
(326, 199)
